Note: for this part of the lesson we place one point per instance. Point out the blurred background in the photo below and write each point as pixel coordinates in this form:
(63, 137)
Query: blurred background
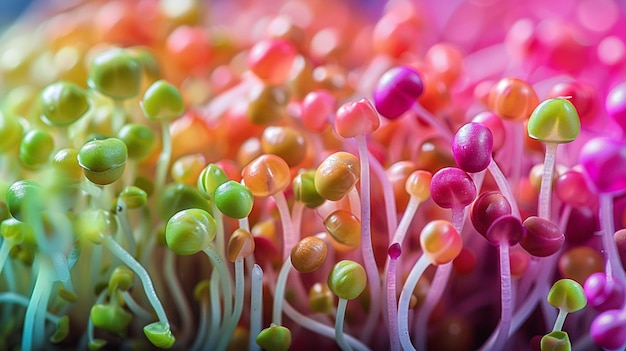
(10, 10)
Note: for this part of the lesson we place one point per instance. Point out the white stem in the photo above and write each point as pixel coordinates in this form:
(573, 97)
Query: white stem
(279, 296)
(405, 297)
(5, 248)
(219, 230)
(289, 236)
(405, 222)
(33, 337)
(137, 310)
(222, 270)
(118, 118)
(560, 320)
(437, 288)
(614, 266)
(256, 307)
(367, 251)
(127, 232)
(341, 313)
(506, 297)
(202, 326)
(504, 187)
(214, 328)
(388, 195)
(165, 156)
(545, 193)
(17, 299)
(141, 272)
(232, 321)
(178, 295)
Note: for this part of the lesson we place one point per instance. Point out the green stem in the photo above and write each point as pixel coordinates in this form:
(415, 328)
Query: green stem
(127, 232)
(119, 116)
(165, 156)
(560, 320)
(33, 337)
(219, 228)
(5, 248)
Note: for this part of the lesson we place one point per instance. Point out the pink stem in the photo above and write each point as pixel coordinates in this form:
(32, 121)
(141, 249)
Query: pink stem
(367, 250)
(507, 299)
(289, 237)
(390, 202)
(392, 310)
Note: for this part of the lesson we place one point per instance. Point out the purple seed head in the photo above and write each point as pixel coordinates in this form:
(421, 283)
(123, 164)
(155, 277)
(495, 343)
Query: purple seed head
(472, 146)
(451, 187)
(397, 91)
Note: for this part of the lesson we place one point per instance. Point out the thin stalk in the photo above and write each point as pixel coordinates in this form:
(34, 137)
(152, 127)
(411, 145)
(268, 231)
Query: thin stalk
(545, 193)
(614, 268)
(17, 299)
(222, 271)
(279, 296)
(560, 320)
(33, 330)
(341, 314)
(504, 187)
(5, 248)
(405, 297)
(135, 308)
(165, 156)
(232, 321)
(434, 295)
(256, 307)
(127, 232)
(141, 272)
(392, 309)
(391, 214)
(119, 117)
(506, 299)
(433, 121)
(371, 268)
(296, 215)
(321, 329)
(355, 203)
(289, 235)
(202, 326)
(178, 295)
(219, 228)
(214, 327)
(405, 221)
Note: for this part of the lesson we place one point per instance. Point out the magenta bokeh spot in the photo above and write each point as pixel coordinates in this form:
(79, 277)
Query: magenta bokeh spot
(604, 162)
(608, 330)
(603, 294)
